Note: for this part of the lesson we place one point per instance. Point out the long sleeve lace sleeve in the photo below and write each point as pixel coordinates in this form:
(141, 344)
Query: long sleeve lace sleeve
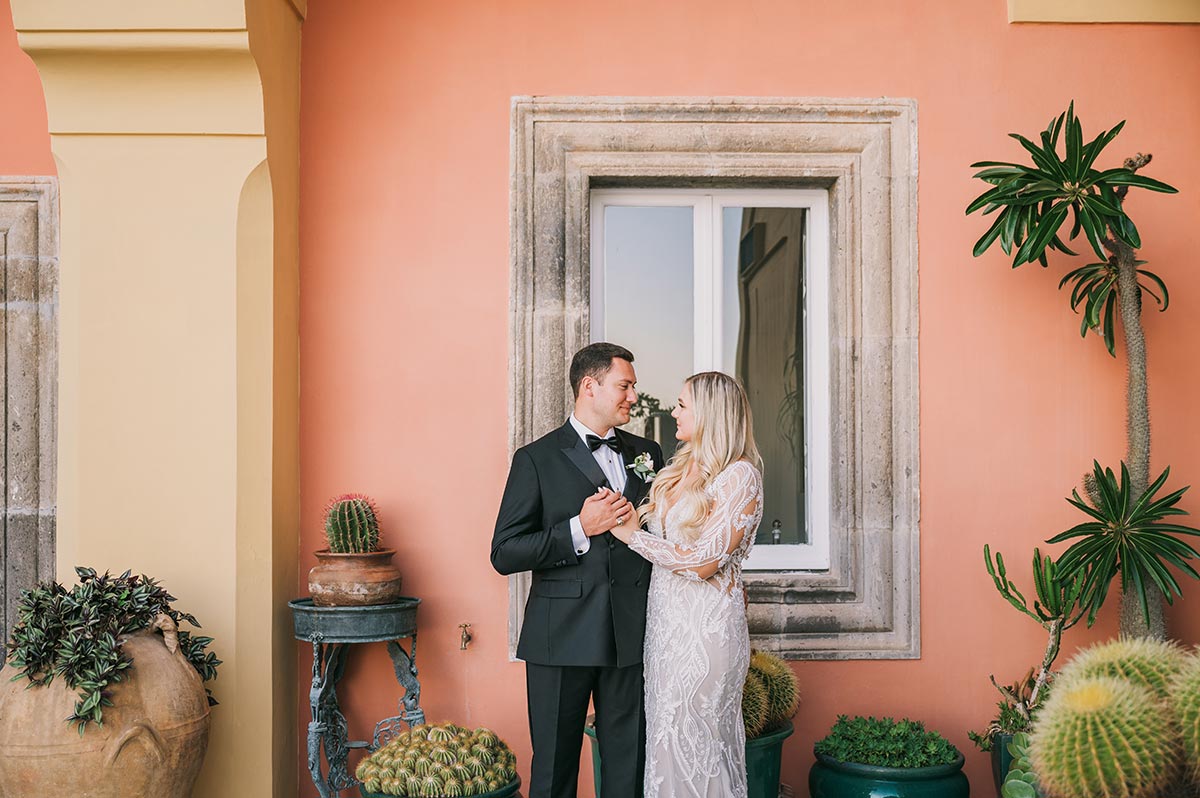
(738, 494)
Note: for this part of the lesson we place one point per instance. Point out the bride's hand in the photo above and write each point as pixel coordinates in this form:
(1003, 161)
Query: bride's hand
(624, 532)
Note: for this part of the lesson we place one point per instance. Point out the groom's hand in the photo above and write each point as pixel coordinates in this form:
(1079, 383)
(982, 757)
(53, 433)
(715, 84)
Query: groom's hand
(604, 510)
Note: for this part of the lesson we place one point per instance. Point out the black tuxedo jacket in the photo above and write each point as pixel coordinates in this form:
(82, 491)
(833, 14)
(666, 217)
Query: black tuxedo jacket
(582, 610)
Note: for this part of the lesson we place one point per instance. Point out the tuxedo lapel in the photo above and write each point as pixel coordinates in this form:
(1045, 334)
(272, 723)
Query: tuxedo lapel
(633, 483)
(578, 453)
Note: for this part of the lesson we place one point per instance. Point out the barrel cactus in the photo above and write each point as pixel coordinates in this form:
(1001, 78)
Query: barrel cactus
(1185, 698)
(1153, 664)
(1103, 737)
(754, 705)
(352, 524)
(439, 761)
(783, 695)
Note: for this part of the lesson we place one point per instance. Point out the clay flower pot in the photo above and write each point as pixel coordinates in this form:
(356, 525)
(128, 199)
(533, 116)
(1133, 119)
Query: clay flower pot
(152, 742)
(354, 580)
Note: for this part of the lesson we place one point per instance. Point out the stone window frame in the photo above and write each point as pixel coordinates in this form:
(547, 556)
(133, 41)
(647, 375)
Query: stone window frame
(29, 265)
(864, 153)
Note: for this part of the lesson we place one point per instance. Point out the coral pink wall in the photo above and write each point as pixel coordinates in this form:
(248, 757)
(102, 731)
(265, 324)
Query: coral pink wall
(24, 140)
(405, 164)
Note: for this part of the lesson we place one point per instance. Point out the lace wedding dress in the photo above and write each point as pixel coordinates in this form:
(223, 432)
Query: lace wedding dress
(697, 647)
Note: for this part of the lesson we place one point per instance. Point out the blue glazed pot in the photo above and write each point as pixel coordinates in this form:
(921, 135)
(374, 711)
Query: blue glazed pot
(506, 791)
(830, 778)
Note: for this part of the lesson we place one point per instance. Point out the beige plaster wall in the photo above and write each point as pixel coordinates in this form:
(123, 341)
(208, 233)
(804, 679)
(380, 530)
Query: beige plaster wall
(178, 162)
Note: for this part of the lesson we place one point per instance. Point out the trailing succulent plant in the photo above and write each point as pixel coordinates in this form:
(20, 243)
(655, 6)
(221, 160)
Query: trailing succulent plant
(77, 634)
(885, 742)
(1020, 781)
(1104, 737)
(439, 761)
(352, 524)
(782, 692)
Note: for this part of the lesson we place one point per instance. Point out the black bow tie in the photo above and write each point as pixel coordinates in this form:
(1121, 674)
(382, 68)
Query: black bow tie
(594, 442)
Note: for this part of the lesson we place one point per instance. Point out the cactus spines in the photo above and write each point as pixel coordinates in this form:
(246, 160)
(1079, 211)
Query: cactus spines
(1103, 737)
(1153, 664)
(352, 524)
(1185, 698)
(754, 705)
(783, 695)
(439, 761)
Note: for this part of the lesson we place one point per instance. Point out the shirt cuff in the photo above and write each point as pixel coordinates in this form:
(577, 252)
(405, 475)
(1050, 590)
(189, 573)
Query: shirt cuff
(578, 539)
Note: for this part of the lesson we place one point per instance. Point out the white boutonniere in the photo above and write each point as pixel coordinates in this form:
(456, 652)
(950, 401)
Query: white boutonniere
(643, 466)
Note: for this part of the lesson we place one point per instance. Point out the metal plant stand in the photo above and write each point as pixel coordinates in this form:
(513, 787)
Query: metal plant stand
(331, 631)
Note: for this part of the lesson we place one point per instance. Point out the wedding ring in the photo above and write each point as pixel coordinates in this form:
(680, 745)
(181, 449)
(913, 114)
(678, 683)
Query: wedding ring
(620, 520)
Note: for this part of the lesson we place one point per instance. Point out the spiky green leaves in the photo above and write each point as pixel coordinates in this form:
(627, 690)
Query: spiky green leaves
(352, 524)
(1104, 737)
(1126, 536)
(1095, 288)
(1035, 201)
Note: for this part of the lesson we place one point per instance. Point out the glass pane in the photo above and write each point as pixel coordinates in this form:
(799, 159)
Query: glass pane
(763, 344)
(648, 306)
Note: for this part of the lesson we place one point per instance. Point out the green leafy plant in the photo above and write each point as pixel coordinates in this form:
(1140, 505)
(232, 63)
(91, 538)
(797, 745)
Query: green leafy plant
(1032, 204)
(886, 742)
(441, 760)
(1126, 536)
(352, 524)
(77, 634)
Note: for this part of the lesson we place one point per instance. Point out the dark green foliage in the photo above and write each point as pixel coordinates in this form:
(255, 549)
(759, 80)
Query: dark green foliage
(1035, 202)
(885, 742)
(1020, 781)
(1126, 536)
(77, 635)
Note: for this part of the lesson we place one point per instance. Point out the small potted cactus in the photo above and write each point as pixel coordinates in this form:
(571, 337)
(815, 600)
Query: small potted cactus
(440, 761)
(353, 571)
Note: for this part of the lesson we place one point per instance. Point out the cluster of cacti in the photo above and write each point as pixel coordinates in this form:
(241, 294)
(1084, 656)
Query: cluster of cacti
(770, 696)
(1153, 664)
(1123, 722)
(439, 761)
(352, 524)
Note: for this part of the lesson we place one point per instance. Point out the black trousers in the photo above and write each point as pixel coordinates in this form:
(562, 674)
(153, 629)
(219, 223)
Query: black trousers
(558, 704)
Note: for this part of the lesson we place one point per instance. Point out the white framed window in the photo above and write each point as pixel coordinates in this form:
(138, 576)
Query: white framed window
(731, 280)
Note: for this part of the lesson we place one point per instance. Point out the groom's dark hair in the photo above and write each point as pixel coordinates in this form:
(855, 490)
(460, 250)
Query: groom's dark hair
(594, 361)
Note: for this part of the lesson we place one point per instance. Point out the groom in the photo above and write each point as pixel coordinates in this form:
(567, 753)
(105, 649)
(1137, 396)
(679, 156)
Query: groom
(586, 615)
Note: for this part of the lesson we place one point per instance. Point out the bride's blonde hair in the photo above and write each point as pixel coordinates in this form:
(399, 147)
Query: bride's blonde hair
(723, 434)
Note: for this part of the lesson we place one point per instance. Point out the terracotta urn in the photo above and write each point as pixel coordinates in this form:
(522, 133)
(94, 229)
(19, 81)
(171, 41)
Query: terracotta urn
(354, 580)
(152, 742)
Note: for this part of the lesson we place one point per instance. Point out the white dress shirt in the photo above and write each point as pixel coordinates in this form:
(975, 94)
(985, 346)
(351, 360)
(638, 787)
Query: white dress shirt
(613, 466)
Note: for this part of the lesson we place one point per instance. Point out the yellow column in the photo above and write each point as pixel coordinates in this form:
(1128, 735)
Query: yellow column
(175, 129)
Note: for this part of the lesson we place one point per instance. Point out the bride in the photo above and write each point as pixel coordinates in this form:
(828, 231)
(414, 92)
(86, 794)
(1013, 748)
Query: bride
(702, 513)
